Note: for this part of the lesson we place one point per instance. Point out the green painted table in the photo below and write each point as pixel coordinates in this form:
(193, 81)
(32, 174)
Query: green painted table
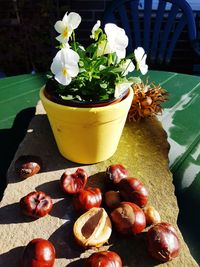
(180, 119)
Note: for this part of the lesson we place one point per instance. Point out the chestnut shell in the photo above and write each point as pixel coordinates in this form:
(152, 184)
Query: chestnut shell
(72, 183)
(103, 259)
(128, 218)
(114, 174)
(28, 165)
(162, 242)
(36, 204)
(87, 198)
(39, 252)
(131, 189)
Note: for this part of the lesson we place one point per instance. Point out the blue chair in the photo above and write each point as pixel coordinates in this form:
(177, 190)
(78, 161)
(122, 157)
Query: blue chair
(156, 29)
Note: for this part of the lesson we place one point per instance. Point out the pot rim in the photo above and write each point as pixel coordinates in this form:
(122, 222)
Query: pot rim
(114, 105)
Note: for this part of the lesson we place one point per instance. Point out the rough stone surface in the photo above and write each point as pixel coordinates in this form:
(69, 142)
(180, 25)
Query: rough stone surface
(143, 149)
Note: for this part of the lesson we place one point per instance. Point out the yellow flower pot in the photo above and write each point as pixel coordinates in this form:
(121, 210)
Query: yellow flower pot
(87, 135)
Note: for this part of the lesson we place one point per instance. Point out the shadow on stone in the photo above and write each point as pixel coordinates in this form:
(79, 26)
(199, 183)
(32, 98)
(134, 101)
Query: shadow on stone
(10, 140)
(135, 254)
(64, 242)
(78, 263)
(63, 209)
(51, 188)
(12, 257)
(12, 214)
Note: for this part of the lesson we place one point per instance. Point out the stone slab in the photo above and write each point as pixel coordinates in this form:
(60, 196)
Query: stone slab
(143, 149)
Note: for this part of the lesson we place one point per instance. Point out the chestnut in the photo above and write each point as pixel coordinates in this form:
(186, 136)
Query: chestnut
(38, 253)
(93, 228)
(74, 182)
(115, 173)
(132, 190)
(27, 165)
(152, 215)
(103, 259)
(112, 199)
(162, 242)
(36, 204)
(87, 198)
(128, 218)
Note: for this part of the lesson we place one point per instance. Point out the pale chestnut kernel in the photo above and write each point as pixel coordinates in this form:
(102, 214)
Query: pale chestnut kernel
(93, 228)
(152, 215)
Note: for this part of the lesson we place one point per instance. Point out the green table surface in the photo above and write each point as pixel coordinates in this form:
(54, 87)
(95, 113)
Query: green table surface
(180, 119)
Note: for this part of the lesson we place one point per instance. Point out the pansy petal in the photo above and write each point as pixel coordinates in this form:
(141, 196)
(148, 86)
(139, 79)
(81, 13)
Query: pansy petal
(62, 39)
(73, 70)
(103, 48)
(56, 64)
(74, 19)
(117, 39)
(65, 18)
(128, 66)
(59, 26)
(139, 53)
(95, 28)
(121, 53)
(72, 55)
(144, 69)
(63, 79)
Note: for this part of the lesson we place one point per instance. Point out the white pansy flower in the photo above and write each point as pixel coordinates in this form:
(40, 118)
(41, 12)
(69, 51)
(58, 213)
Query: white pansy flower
(117, 39)
(120, 88)
(127, 66)
(95, 28)
(140, 57)
(66, 26)
(65, 65)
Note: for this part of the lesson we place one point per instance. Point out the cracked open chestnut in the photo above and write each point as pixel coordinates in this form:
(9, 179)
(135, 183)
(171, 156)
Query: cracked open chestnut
(87, 198)
(162, 242)
(38, 253)
(103, 259)
(93, 228)
(128, 218)
(131, 189)
(36, 204)
(27, 165)
(74, 182)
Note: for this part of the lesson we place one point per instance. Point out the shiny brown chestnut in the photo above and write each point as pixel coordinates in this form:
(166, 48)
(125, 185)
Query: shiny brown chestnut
(74, 182)
(27, 165)
(131, 189)
(103, 259)
(128, 218)
(38, 253)
(36, 204)
(115, 173)
(162, 242)
(112, 199)
(87, 198)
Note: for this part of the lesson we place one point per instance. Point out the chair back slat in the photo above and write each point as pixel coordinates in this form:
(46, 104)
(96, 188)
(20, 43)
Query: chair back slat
(166, 32)
(174, 39)
(156, 31)
(147, 24)
(135, 24)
